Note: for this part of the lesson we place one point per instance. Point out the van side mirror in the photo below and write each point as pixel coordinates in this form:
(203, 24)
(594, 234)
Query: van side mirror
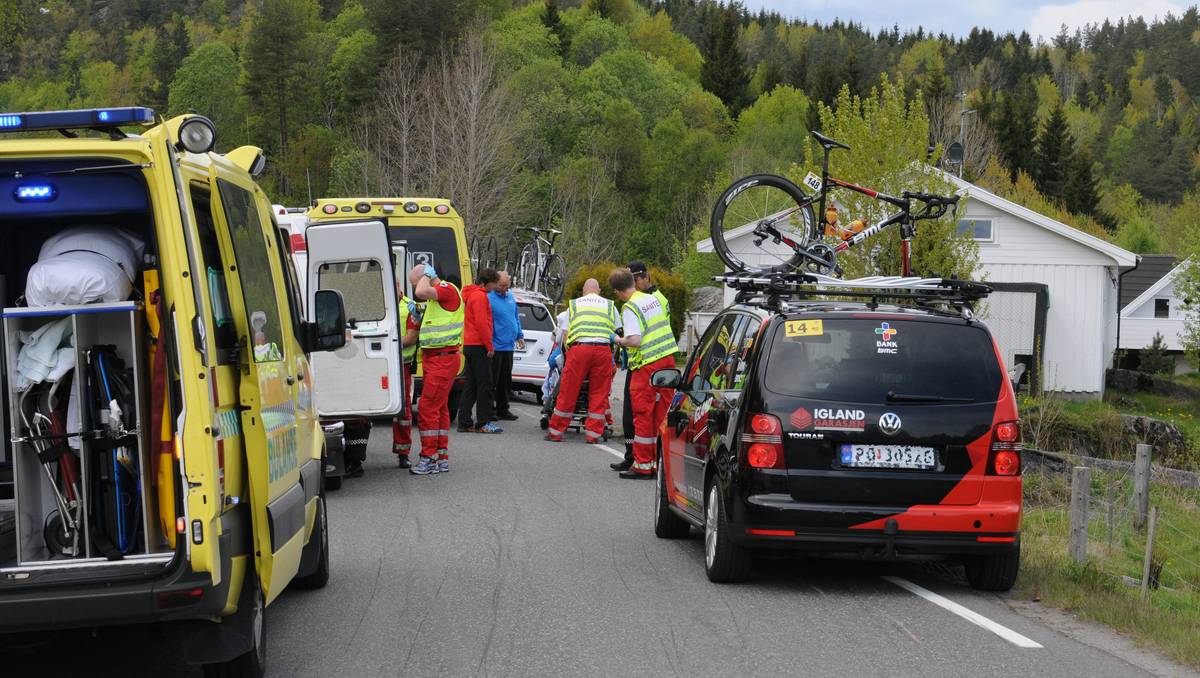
(666, 378)
(328, 331)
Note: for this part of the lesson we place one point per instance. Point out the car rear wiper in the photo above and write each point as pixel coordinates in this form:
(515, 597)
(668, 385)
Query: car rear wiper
(894, 397)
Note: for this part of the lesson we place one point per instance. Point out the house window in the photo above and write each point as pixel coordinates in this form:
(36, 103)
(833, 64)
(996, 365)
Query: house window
(979, 229)
(1162, 308)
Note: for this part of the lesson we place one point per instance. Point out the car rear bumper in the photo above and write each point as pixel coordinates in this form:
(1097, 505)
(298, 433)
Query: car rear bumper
(779, 522)
(178, 595)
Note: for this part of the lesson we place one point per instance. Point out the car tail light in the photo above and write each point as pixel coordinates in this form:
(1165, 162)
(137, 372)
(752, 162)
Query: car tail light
(1006, 449)
(762, 441)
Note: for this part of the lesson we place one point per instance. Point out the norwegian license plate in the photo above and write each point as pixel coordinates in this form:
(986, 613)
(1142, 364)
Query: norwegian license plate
(888, 456)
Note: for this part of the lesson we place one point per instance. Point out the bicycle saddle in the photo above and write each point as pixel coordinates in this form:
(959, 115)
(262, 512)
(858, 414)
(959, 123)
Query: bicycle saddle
(827, 142)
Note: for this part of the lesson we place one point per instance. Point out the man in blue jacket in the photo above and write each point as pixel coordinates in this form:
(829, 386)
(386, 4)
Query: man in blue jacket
(507, 336)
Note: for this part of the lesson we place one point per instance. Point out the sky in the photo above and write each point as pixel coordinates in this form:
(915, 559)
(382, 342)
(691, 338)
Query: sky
(957, 18)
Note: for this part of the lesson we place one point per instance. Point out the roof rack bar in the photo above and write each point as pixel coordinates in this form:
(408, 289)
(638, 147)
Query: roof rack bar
(772, 289)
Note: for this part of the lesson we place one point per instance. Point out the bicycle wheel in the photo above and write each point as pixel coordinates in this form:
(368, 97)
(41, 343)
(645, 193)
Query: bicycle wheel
(762, 199)
(527, 267)
(488, 257)
(554, 277)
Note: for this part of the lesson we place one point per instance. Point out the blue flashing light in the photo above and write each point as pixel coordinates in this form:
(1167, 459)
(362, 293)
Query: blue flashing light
(77, 119)
(35, 193)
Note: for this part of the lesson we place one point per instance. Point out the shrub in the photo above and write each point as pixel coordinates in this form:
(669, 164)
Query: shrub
(671, 285)
(1154, 358)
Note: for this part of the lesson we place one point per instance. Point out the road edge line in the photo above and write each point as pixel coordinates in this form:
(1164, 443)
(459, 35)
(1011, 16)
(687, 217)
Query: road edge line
(966, 613)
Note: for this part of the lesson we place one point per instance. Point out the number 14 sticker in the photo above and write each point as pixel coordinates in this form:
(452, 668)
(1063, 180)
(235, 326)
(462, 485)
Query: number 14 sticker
(803, 328)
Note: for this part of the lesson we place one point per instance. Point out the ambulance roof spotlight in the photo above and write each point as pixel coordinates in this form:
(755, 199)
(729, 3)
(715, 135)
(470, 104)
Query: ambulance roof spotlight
(197, 134)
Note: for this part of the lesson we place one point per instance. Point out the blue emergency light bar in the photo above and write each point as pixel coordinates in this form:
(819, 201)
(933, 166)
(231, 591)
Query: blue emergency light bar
(86, 118)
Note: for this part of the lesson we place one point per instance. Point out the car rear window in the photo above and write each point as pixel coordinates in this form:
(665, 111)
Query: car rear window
(535, 318)
(862, 360)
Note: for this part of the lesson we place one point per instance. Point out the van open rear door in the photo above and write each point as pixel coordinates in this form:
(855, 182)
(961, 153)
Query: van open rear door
(363, 378)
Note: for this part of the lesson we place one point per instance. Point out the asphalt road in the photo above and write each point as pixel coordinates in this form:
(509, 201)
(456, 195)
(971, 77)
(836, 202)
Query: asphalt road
(534, 559)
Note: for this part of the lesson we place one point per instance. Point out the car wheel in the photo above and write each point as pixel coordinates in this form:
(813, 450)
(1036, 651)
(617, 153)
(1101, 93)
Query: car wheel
(996, 572)
(320, 576)
(252, 664)
(724, 561)
(667, 525)
(333, 482)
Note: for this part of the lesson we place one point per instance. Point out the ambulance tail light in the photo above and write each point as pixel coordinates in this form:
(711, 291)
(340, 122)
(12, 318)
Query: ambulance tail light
(1005, 457)
(762, 441)
(299, 244)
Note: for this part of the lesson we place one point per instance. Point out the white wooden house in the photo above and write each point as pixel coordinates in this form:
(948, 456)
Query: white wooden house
(1019, 246)
(1150, 307)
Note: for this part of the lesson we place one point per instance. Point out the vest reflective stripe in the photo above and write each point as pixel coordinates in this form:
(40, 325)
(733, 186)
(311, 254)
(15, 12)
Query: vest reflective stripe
(441, 328)
(410, 352)
(657, 340)
(594, 319)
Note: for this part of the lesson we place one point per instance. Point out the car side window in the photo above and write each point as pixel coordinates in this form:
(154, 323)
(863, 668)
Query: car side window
(744, 351)
(712, 369)
(290, 281)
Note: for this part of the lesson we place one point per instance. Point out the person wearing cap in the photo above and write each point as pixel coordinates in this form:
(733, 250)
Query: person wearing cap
(651, 346)
(591, 326)
(641, 280)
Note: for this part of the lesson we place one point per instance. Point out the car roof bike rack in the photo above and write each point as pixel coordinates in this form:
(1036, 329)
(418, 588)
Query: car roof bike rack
(773, 290)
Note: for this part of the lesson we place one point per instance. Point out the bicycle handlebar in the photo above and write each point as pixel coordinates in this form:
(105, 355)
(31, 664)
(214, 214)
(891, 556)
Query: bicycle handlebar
(935, 205)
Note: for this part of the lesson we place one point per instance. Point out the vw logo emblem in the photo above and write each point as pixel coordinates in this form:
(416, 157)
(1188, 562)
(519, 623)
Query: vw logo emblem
(889, 423)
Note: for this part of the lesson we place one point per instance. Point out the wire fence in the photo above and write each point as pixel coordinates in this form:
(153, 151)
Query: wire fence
(1117, 531)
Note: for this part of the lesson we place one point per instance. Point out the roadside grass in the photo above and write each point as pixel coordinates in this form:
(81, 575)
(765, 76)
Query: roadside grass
(1105, 588)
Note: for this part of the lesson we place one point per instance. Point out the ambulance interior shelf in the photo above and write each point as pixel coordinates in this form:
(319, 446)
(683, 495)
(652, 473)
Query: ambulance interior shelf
(81, 467)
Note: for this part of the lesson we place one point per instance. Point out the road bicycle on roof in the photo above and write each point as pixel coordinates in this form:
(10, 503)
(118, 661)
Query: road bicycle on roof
(539, 269)
(778, 217)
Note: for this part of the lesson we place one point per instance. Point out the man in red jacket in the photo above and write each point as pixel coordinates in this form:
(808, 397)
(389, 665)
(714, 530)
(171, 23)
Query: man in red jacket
(478, 350)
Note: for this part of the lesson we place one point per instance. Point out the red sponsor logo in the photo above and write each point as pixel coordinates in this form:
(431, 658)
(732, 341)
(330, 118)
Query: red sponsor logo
(801, 419)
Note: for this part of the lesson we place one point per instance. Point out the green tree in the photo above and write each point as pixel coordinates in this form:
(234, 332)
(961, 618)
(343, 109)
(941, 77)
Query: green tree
(1154, 359)
(277, 64)
(654, 36)
(597, 36)
(1054, 148)
(1081, 195)
(1015, 125)
(206, 83)
(773, 131)
(553, 22)
(724, 71)
(170, 48)
(617, 11)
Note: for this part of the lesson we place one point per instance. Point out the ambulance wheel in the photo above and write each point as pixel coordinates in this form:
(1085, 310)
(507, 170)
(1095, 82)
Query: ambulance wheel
(252, 664)
(319, 576)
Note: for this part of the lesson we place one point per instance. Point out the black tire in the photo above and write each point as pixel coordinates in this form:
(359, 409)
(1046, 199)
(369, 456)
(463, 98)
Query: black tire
(484, 253)
(320, 576)
(724, 561)
(252, 664)
(667, 525)
(554, 278)
(753, 198)
(996, 572)
(333, 483)
(527, 267)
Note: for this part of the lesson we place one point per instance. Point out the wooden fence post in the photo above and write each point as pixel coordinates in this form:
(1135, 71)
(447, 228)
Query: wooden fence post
(1108, 507)
(1141, 485)
(1081, 490)
(1149, 552)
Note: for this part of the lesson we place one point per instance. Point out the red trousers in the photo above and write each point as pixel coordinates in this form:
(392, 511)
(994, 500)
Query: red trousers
(402, 423)
(433, 415)
(584, 361)
(650, 406)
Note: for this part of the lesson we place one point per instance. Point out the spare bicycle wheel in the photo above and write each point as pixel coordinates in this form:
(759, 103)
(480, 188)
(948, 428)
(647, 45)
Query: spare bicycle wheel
(554, 278)
(762, 202)
(527, 268)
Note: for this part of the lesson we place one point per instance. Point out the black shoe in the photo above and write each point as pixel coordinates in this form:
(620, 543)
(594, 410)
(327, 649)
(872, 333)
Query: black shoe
(466, 429)
(354, 471)
(621, 466)
(402, 461)
(508, 416)
(630, 474)
(545, 423)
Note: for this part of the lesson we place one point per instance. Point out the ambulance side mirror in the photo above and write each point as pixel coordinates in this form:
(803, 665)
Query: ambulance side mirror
(328, 331)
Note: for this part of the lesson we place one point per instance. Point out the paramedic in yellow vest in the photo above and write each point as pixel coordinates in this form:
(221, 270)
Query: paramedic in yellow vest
(591, 327)
(410, 325)
(641, 280)
(651, 347)
(441, 338)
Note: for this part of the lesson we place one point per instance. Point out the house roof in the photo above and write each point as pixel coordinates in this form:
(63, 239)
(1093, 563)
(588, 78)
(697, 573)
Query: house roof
(1154, 267)
(1121, 257)
(1150, 292)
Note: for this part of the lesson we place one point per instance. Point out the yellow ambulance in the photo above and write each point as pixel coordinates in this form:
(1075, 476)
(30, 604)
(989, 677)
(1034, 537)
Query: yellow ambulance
(162, 460)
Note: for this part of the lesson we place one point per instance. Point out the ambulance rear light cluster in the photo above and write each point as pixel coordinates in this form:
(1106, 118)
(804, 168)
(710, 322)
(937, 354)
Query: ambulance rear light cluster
(75, 119)
(1005, 457)
(762, 441)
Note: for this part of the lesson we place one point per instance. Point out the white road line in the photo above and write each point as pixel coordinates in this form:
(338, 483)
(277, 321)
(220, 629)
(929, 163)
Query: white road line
(970, 615)
(618, 455)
